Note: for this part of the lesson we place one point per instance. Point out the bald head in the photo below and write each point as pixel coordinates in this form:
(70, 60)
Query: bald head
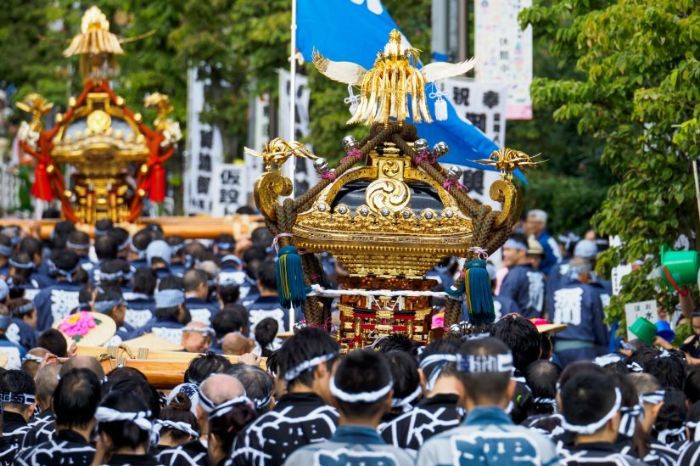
(221, 387)
(236, 344)
(46, 381)
(83, 362)
(644, 383)
(196, 337)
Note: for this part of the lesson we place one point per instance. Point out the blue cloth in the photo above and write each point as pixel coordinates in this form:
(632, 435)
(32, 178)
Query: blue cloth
(201, 310)
(5, 343)
(325, 26)
(53, 304)
(21, 333)
(351, 446)
(168, 329)
(551, 252)
(139, 309)
(268, 306)
(488, 437)
(578, 305)
(524, 285)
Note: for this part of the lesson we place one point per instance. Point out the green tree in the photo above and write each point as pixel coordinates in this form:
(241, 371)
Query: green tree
(636, 89)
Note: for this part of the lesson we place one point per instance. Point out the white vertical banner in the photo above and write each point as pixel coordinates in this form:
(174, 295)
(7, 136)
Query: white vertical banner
(504, 52)
(260, 136)
(229, 188)
(304, 174)
(204, 149)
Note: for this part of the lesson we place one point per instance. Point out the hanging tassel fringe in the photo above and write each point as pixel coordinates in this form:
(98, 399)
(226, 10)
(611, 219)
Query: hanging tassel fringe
(478, 292)
(441, 109)
(290, 277)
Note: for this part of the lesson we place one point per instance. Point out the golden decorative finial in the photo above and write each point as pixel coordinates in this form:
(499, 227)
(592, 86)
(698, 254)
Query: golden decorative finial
(162, 103)
(278, 150)
(95, 43)
(508, 160)
(38, 106)
(385, 87)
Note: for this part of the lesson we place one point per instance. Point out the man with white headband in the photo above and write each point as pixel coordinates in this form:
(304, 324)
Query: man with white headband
(171, 314)
(536, 224)
(301, 416)
(651, 400)
(523, 283)
(17, 394)
(75, 400)
(591, 403)
(441, 409)
(55, 302)
(215, 391)
(110, 302)
(361, 388)
(487, 436)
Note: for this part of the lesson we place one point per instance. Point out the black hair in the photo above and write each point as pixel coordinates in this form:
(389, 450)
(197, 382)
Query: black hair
(521, 336)
(178, 410)
(225, 238)
(108, 293)
(65, 259)
(404, 371)
(259, 385)
(669, 370)
(193, 278)
(519, 237)
(22, 257)
(53, 340)
(120, 235)
(267, 274)
(106, 247)
(253, 259)
(246, 210)
(265, 333)
(261, 237)
(61, 232)
(79, 238)
(104, 225)
(446, 345)
(693, 416)
(142, 239)
(137, 385)
(118, 374)
(643, 356)
(307, 343)
(228, 294)
(673, 413)
(17, 381)
(587, 397)
(156, 230)
(125, 434)
(483, 387)
(14, 306)
(232, 318)
(205, 365)
(31, 245)
(691, 388)
(76, 398)
(144, 281)
(541, 377)
(364, 370)
(5, 241)
(227, 426)
(579, 367)
(396, 341)
(171, 283)
(85, 294)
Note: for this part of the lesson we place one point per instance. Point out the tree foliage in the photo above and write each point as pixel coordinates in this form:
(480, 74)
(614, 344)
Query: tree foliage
(636, 89)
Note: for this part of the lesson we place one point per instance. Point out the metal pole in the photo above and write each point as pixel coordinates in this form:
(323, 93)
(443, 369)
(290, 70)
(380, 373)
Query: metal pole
(697, 184)
(463, 28)
(291, 162)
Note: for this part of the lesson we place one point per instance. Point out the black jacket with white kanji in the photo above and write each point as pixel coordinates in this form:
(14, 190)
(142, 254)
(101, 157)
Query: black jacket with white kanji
(41, 429)
(64, 448)
(190, 454)
(430, 416)
(599, 454)
(14, 428)
(297, 420)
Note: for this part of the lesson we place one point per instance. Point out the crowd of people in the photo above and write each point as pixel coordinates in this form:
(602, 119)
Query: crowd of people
(542, 385)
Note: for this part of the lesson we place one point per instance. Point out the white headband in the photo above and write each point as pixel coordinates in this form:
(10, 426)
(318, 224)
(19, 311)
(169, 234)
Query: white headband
(362, 397)
(181, 426)
(607, 359)
(294, 372)
(440, 359)
(228, 405)
(140, 418)
(694, 425)
(628, 422)
(678, 432)
(405, 402)
(595, 426)
(653, 398)
(492, 363)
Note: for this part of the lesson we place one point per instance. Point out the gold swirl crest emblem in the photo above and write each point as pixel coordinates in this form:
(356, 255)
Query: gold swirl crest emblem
(387, 195)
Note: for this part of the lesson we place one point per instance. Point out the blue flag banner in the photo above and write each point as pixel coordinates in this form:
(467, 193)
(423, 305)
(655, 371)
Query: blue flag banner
(354, 31)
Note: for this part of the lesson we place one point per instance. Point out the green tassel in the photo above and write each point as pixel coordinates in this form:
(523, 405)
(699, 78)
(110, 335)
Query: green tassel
(290, 277)
(478, 292)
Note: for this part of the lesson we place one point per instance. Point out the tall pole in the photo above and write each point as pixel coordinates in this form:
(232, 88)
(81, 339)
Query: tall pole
(291, 162)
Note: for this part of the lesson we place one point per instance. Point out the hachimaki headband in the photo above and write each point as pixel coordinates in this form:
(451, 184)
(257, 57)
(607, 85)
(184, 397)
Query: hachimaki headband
(296, 371)
(17, 398)
(140, 418)
(588, 429)
(438, 361)
(362, 397)
(179, 426)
